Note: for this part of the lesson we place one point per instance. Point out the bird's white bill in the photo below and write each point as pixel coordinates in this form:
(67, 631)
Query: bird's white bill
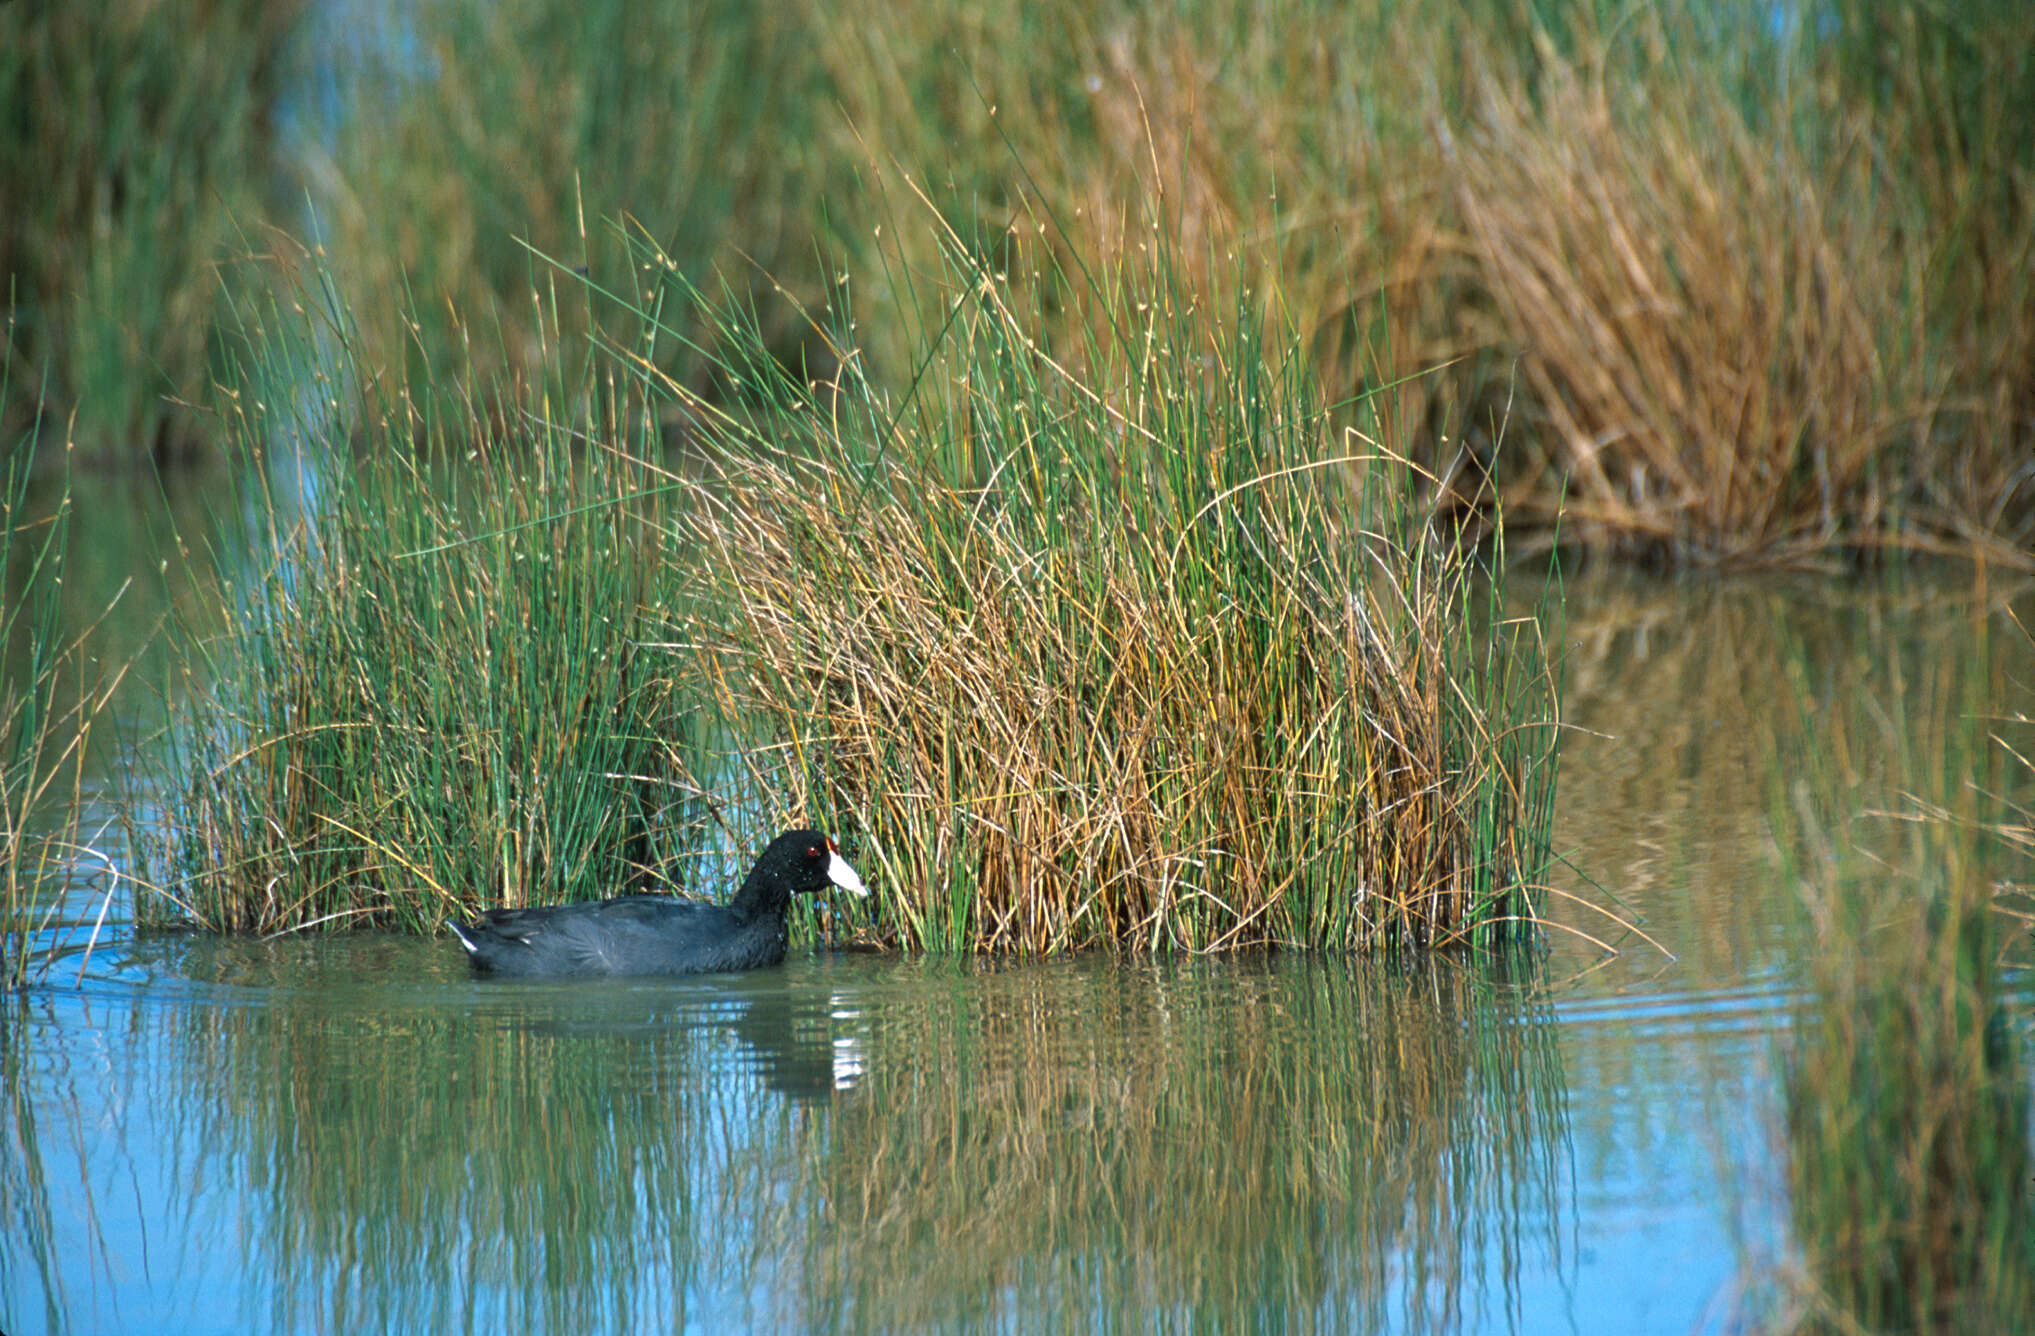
(842, 875)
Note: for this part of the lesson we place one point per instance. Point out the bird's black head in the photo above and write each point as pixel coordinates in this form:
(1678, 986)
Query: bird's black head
(798, 861)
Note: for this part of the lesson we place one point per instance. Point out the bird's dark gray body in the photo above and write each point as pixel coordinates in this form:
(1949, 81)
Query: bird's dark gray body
(657, 934)
(631, 934)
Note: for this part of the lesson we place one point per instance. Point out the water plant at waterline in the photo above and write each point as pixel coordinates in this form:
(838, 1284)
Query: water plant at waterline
(1153, 654)
(52, 697)
(1152, 657)
(429, 690)
(1906, 1088)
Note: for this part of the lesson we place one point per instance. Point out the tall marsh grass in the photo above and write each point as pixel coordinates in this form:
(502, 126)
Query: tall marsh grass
(1126, 638)
(1739, 293)
(435, 684)
(1743, 287)
(1701, 420)
(53, 697)
(1155, 656)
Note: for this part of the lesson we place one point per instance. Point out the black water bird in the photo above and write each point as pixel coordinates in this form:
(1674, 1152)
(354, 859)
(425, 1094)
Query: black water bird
(657, 934)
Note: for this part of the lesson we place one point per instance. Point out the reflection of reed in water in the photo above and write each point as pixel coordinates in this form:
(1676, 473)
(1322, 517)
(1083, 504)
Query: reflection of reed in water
(1286, 1142)
(1677, 693)
(1283, 1140)
(27, 1227)
(533, 1167)
(1906, 1091)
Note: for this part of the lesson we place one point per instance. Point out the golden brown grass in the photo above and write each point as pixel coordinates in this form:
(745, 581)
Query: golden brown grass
(1657, 257)
(1078, 756)
(1701, 336)
(1735, 294)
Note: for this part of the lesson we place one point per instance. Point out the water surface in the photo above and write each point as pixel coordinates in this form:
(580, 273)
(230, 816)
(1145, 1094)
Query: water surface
(351, 1133)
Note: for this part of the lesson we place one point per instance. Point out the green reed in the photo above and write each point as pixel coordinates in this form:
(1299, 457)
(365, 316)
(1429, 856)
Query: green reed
(32, 755)
(435, 684)
(53, 697)
(479, 130)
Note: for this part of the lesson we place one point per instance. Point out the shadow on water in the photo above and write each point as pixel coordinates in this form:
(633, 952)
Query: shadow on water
(356, 1136)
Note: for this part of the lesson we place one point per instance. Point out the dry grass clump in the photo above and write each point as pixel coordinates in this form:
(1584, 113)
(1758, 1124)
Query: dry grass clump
(1057, 753)
(1770, 307)
(1743, 284)
(1701, 333)
(1742, 298)
(1132, 132)
(1153, 657)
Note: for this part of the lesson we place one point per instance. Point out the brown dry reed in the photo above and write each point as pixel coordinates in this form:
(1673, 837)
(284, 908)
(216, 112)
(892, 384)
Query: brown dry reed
(1738, 293)
(1709, 419)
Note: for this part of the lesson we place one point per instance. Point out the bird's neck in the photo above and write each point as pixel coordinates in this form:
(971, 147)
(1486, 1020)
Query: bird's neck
(760, 897)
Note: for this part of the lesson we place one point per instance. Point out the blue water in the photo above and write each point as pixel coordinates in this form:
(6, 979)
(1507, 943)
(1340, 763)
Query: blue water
(356, 1135)
(351, 1133)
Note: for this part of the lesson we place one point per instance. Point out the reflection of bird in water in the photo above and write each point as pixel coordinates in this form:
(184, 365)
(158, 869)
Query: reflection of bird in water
(803, 1050)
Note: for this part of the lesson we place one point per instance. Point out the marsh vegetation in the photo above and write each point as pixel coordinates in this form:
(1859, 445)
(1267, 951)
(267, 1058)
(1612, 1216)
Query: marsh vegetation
(1101, 466)
(1745, 284)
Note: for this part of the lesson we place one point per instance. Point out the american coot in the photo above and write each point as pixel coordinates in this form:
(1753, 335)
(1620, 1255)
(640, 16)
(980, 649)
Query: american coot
(656, 934)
